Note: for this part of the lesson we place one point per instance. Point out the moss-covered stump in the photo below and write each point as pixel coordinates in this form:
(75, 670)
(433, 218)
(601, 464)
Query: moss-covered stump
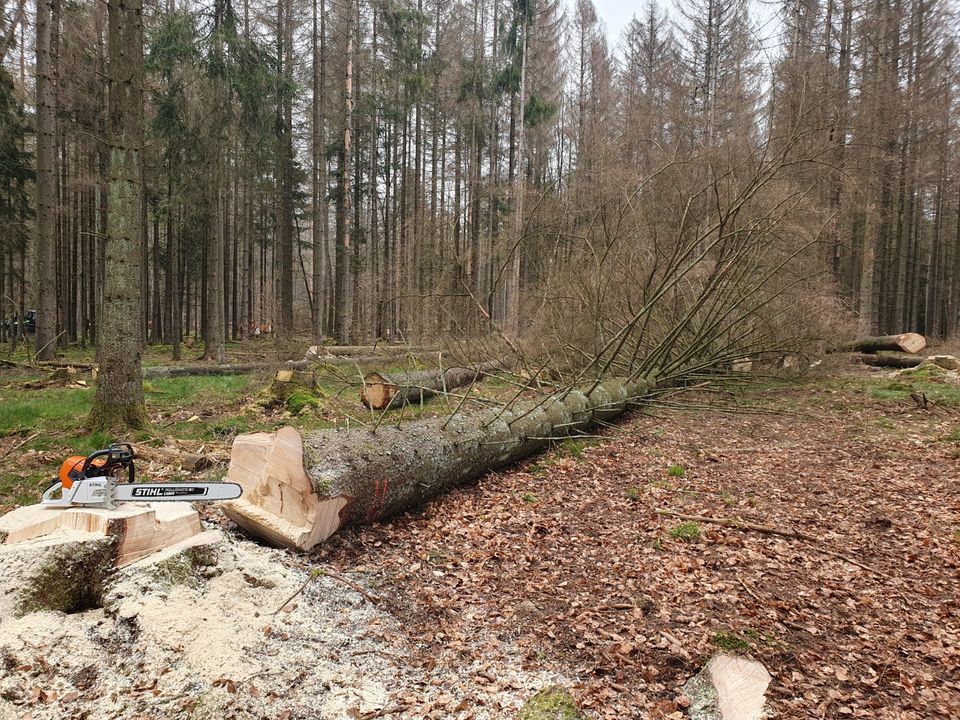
(293, 389)
(551, 703)
(299, 490)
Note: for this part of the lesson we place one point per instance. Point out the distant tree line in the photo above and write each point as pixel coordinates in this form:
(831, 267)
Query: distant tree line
(406, 168)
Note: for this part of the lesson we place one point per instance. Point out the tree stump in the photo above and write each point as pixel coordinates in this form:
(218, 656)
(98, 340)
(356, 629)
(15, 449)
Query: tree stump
(60, 558)
(728, 688)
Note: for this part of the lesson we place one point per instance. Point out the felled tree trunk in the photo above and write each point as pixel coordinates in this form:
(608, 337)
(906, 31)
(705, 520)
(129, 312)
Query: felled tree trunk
(911, 343)
(382, 349)
(381, 391)
(894, 360)
(299, 490)
(209, 370)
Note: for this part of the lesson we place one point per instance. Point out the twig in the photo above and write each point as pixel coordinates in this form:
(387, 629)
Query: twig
(351, 584)
(392, 710)
(771, 530)
(320, 572)
(313, 574)
(750, 592)
(20, 445)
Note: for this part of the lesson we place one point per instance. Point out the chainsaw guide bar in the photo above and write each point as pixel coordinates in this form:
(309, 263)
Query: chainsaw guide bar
(90, 482)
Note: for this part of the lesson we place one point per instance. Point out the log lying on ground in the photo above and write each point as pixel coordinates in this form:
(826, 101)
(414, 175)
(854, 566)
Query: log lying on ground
(311, 360)
(299, 490)
(894, 360)
(173, 371)
(381, 349)
(903, 361)
(911, 343)
(381, 391)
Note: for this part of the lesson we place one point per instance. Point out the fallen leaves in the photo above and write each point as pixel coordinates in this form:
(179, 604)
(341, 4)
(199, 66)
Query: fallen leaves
(587, 582)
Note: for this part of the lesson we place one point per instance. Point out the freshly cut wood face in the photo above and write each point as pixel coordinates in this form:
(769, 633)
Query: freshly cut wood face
(378, 390)
(141, 528)
(912, 342)
(741, 685)
(278, 501)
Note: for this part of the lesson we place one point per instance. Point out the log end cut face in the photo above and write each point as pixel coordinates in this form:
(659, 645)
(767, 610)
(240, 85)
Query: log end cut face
(912, 342)
(278, 502)
(378, 390)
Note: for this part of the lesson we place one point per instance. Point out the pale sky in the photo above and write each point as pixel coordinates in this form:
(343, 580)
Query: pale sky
(615, 14)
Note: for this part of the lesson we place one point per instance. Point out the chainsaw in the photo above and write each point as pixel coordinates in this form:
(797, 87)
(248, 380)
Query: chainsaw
(96, 481)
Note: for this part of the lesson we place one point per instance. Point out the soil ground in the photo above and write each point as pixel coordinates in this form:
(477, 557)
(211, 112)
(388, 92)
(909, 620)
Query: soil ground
(563, 570)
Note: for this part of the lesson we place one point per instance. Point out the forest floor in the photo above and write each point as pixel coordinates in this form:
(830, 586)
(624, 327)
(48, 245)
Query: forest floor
(563, 570)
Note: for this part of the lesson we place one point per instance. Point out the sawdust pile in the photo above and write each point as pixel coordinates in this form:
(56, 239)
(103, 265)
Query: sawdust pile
(205, 640)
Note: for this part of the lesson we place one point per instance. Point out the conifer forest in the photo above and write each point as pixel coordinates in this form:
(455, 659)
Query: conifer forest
(387, 170)
(479, 359)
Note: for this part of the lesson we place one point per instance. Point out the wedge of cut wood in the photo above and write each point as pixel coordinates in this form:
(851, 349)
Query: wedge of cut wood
(278, 502)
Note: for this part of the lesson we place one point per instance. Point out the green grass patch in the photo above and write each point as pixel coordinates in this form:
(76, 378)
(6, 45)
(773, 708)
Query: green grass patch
(686, 531)
(676, 471)
(200, 390)
(529, 497)
(938, 386)
(633, 493)
(51, 408)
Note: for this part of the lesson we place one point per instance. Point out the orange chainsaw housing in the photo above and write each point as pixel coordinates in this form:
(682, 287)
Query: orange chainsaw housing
(71, 467)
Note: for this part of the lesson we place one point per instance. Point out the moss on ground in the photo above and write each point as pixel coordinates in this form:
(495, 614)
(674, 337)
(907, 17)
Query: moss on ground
(551, 703)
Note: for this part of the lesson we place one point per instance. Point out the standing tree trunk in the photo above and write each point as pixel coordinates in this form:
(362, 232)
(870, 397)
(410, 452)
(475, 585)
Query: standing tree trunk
(319, 194)
(119, 397)
(344, 296)
(46, 244)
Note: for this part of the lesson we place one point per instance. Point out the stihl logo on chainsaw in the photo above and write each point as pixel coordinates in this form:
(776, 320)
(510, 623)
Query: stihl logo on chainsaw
(165, 492)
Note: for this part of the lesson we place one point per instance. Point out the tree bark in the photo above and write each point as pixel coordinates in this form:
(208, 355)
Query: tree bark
(344, 291)
(895, 360)
(46, 243)
(383, 392)
(299, 490)
(906, 342)
(119, 399)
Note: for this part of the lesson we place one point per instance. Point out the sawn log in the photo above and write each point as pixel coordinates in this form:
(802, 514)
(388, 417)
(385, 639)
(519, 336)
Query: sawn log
(381, 391)
(299, 490)
(894, 360)
(911, 343)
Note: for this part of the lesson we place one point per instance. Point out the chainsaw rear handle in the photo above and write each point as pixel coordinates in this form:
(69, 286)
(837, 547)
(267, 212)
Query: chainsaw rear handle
(117, 455)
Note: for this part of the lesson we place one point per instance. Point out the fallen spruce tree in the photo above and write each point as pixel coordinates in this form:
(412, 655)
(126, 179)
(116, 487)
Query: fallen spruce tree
(211, 369)
(381, 391)
(299, 490)
(911, 343)
(893, 360)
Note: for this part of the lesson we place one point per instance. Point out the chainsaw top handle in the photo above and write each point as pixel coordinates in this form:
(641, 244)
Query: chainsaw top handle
(103, 461)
